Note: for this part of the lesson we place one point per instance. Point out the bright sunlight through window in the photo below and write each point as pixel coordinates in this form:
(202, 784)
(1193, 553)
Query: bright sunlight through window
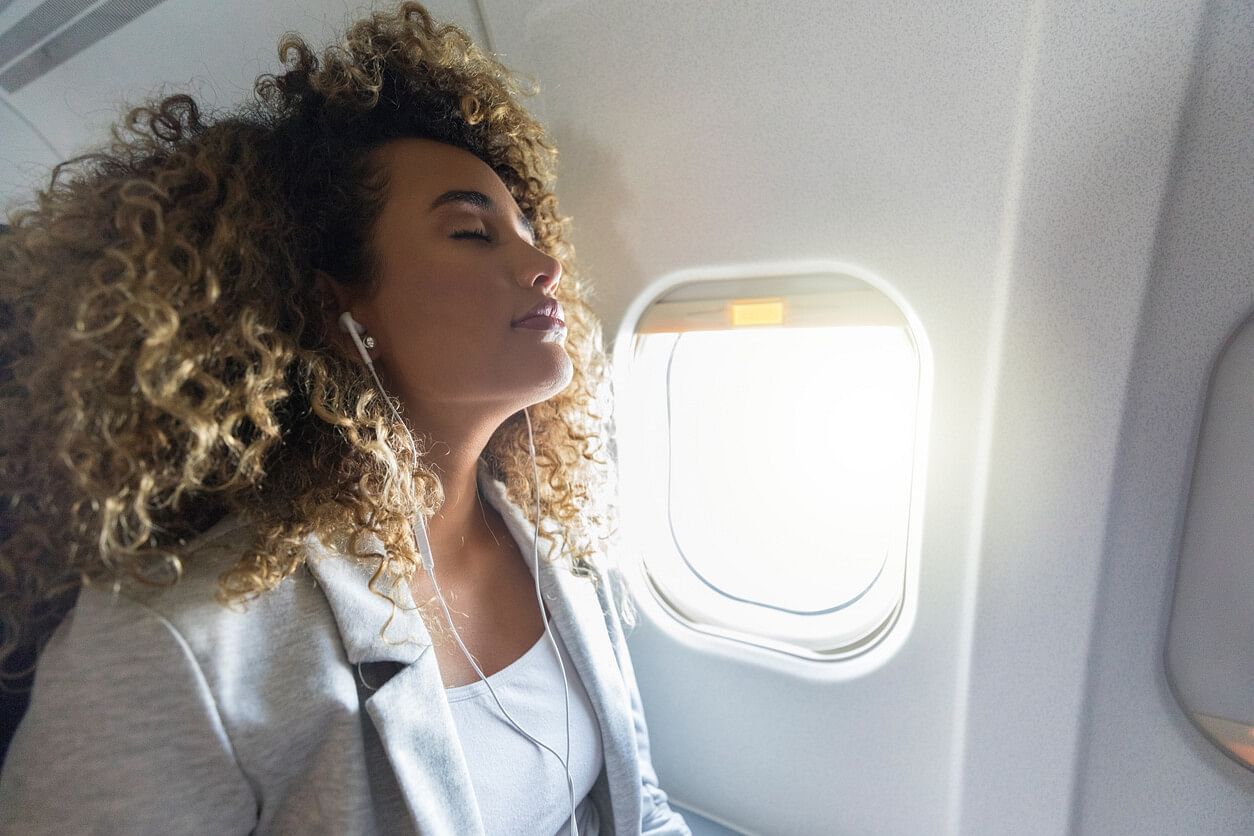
(769, 458)
(774, 448)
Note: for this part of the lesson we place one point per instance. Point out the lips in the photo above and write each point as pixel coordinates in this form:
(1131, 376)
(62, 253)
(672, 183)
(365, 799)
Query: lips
(547, 308)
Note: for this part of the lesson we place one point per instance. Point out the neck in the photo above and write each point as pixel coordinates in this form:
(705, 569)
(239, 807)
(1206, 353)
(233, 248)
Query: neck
(458, 433)
(460, 528)
(466, 528)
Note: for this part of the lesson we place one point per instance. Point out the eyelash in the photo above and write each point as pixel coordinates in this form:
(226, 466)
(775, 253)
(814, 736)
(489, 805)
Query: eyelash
(473, 233)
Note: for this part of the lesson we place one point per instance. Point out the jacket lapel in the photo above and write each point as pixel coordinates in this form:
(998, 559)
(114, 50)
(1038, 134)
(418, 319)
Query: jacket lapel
(580, 621)
(410, 711)
(412, 716)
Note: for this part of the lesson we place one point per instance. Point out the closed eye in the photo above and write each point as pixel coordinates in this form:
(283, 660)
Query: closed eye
(470, 233)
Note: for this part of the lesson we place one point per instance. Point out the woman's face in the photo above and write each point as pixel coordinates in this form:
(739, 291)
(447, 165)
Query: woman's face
(456, 272)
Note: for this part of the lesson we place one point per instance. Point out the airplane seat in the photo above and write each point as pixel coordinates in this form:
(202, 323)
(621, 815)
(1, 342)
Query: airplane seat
(15, 698)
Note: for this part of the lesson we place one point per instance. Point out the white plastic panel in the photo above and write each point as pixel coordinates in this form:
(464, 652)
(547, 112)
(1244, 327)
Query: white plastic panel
(212, 50)
(1143, 767)
(1210, 645)
(24, 158)
(1004, 167)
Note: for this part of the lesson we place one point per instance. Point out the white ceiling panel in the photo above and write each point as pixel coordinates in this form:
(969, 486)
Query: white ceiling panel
(24, 156)
(212, 50)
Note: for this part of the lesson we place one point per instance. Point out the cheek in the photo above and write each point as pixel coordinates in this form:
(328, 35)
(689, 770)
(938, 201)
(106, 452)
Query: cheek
(454, 319)
(426, 295)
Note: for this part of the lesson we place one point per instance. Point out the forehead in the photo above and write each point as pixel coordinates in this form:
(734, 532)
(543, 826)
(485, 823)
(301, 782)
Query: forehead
(422, 169)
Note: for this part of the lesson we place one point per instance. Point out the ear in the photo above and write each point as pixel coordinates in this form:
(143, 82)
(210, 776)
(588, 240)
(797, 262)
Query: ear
(333, 300)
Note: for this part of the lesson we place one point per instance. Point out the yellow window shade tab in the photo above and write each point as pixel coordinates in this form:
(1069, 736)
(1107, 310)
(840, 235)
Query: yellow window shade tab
(756, 312)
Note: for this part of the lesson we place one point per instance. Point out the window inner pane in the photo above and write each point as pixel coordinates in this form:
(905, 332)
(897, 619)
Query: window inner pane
(790, 458)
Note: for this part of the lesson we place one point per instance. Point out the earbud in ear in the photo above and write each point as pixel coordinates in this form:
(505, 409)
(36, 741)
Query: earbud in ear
(355, 329)
(349, 324)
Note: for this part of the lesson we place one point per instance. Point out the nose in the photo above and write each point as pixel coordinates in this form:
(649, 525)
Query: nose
(546, 271)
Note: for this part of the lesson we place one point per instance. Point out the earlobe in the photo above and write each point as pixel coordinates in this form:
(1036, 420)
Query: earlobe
(355, 329)
(351, 326)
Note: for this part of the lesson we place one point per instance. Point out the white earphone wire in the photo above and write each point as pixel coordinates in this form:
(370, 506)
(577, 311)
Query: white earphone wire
(428, 561)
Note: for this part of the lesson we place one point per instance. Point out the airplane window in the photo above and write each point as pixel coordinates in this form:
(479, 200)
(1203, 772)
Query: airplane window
(772, 452)
(1208, 637)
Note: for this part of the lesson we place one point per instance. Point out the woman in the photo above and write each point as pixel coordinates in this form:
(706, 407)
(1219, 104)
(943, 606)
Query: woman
(216, 328)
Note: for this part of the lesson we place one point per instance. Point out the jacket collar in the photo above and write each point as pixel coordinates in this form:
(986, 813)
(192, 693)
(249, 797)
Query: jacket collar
(411, 711)
(376, 625)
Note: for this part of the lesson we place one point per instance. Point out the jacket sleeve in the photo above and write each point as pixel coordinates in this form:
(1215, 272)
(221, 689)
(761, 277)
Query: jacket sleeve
(122, 734)
(657, 818)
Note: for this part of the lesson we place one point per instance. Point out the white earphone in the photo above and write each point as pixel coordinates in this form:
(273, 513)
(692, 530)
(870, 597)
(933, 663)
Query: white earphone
(355, 329)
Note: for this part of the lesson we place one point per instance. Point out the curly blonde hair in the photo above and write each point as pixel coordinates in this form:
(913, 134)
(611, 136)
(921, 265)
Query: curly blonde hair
(167, 352)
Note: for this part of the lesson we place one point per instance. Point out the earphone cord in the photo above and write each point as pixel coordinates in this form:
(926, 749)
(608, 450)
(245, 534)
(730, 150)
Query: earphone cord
(535, 550)
(429, 565)
(569, 785)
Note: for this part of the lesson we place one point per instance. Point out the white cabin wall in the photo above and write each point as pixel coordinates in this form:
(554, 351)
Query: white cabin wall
(751, 135)
(1106, 99)
(1017, 208)
(1143, 767)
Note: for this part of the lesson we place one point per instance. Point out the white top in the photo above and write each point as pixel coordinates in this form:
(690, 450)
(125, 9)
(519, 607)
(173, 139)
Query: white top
(520, 787)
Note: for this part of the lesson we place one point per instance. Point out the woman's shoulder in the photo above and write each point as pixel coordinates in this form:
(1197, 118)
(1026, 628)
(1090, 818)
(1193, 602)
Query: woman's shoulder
(253, 628)
(204, 560)
(170, 700)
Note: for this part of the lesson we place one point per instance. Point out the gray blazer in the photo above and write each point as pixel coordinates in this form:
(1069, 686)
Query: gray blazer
(168, 713)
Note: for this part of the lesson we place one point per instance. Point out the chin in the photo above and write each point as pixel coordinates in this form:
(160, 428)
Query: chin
(561, 380)
(533, 385)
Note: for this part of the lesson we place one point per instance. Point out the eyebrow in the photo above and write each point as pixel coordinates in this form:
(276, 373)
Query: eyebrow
(478, 200)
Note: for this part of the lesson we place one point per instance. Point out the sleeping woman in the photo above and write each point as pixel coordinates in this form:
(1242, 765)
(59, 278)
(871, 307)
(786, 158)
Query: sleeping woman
(309, 509)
